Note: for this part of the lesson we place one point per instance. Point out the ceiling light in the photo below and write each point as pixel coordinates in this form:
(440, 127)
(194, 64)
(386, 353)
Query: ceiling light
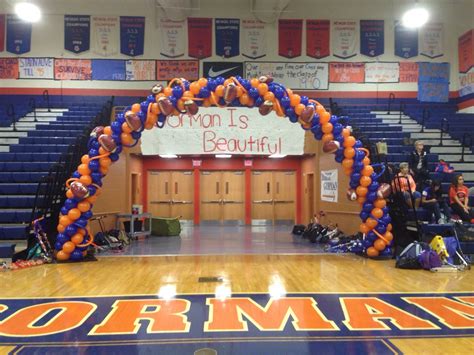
(223, 156)
(28, 12)
(168, 156)
(277, 156)
(415, 17)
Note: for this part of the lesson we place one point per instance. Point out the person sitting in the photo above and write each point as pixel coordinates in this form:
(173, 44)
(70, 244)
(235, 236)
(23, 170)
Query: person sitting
(459, 199)
(443, 167)
(405, 183)
(419, 163)
(433, 201)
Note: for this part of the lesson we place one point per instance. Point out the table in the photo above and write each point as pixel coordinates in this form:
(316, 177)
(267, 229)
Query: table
(132, 217)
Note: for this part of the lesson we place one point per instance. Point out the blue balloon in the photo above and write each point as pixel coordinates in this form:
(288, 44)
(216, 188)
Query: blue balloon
(279, 92)
(94, 165)
(116, 127)
(353, 184)
(358, 166)
(64, 210)
(318, 135)
(70, 203)
(258, 102)
(373, 187)
(87, 215)
(339, 159)
(337, 129)
(366, 243)
(367, 207)
(76, 175)
(304, 100)
(92, 190)
(70, 230)
(371, 196)
(290, 112)
(358, 144)
(204, 93)
(340, 139)
(386, 219)
(81, 222)
(95, 144)
(371, 236)
(150, 99)
(96, 177)
(76, 255)
(114, 156)
(219, 80)
(62, 238)
(93, 152)
(355, 177)
(186, 84)
(117, 139)
(359, 155)
(142, 116)
(381, 227)
(211, 84)
(173, 100)
(58, 246)
(118, 150)
(285, 102)
(144, 106)
(120, 119)
(253, 93)
(246, 84)
(386, 252)
(316, 128)
(293, 118)
(334, 119)
(363, 215)
(385, 210)
(136, 135)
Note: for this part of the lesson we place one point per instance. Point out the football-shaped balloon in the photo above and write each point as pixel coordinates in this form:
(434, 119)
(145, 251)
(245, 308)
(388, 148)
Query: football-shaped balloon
(79, 190)
(331, 146)
(133, 121)
(384, 191)
(265, 79)
(97, 131)
(108, 143)
(191, 107)
(265, 108)
(307, 114)
(165, 105)
(230, 93)
(156, 89)
(351, 195)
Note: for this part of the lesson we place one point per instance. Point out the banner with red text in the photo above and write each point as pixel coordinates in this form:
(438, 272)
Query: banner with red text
(317, 38)
(431, 40)
(466, 83)
(382, 72)
(199, 37)
(344, 38)
(408, 72)
(172, 38)
(252, 34)
(170, 69)
(72, 69)
(105, 35)
(466, 51)
(346, 72)
(290, 34)
(140, 70)
(9, 68)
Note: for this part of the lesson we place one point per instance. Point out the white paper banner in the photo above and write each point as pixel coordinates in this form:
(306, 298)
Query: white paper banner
(105, 35)
(252, 36)
(36, 68)
(294, 75)
(225, 130)
(344, 38)
(466, 83)
(329, 185)
(172, 38)
(140, 70)
(431, 40)
(380, 72)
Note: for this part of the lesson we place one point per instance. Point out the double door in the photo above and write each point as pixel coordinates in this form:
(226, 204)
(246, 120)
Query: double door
(222, 197)
(171, 194)
(273, 197)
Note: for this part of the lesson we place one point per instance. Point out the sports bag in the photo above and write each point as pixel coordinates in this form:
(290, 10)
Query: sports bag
(408, 258)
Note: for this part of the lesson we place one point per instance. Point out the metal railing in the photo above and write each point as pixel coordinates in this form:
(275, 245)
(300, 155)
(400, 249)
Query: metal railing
(425, 116)
(464, 144)
(32, 105)
(402, 112)
(46, 98)
(11, 114)
(391, 98)
(444, 123)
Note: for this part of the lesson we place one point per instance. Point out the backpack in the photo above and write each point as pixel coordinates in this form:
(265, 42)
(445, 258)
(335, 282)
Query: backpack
(408, 258)
(429, 259)
(298, 229)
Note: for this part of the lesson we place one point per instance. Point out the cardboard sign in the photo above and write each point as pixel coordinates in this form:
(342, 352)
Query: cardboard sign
(169, 69)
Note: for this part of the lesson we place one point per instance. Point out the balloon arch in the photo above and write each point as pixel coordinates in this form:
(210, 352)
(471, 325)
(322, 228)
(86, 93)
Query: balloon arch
(182, 96)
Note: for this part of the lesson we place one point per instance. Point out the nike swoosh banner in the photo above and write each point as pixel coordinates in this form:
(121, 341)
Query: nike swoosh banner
(224, 69)
(406, 41)
(2, 32)
(253, 39)
(371, 37)
(105, 35)
(227, 37)
(172, 38)
(431, 40)
(317, 38)
(199, 37)
(290, 34)
(344, 38)
(132, 35)
(77, 33)
(18, 35)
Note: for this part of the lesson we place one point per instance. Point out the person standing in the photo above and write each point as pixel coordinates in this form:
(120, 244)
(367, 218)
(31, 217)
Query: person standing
(419, 163)
(459, 199)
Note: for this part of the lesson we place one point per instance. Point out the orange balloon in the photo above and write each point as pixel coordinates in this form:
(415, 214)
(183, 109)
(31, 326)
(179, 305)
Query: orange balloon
(361, 191)
(346, 132)
(65, 221)
(202, 82)
(327, 137)
(295, 100)
(380, 203)
(104, 170)
(366, 161)
(81, 231)
(105, 161)
(194, 87)
(324, 117)
(388, 236)
(168, 91)
(155, 109)
(60, 228)
(254, 82)
(83, 206)
(69, 194)
(361, 199)
(299, 109)
(136, 108)
(85, 180)
(244, 99)
(270, 96)
(379, 244)
(262, 89)
(365, 181)
(102, 151)
(108, 130)
(91, 199)
(74, 214)
(327, 127)
(371, 223)
(83, 169)
(77, 239)
(62, 256)
(347, 163)
(220, 90)
(363, 228)
(206, 103)
(126, 138)
(367, 170)
(347, 172)
(69, 247)
(126, 128)
(372, 252)
(349, 142)
(389, 228)
(85, 159)
(320, 109)
(349, 153)
(377, 212)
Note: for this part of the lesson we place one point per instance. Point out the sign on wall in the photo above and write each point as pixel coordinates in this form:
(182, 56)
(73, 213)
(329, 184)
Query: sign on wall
(108, 69)
(433, 82)
(329, 186)
(172, 38)
(169, 69)
(408, 72)
(199, 37)
(294, 75)
(105, 35)
(344, 38)
(382, 72)
(18, 35)
(431, 40)
(224, 69)
(346, 72)
(466, 83)
(2, 32)
(9, 68)
(253, 39)
(466, 51)
(406, 41)
(36, 68)
(72, 69)
(132, 35)
(77, 33)
(290, 33)
(372, 42)
(140, 70)
(317, 38)
(227, 37)
(229, 130)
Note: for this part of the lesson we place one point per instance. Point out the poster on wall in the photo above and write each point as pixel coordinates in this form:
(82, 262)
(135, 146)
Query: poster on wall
(72, 69)
(372, 41)
(8, 68)
(466, 83)
(77, 32)
(253, 39)
(382, 72)
(199, 37)
(224, 69)
(170, 69)
(433, 82)
(36, 68)
(232, 130)
(431, 40)
(108, 69)
(408, 72)
(406, 41)
(2, 32)
(172, 38)
(317, 38)
(105, 35)
(140, 70)
(346, 72)
(132, 35)
(466, 51)
(294, 75)
(18, 35)
(290, 34)
(329, 185)
(344, 38)
(227, 37)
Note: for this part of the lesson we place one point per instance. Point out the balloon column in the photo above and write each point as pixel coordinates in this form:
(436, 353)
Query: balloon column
(184, 97)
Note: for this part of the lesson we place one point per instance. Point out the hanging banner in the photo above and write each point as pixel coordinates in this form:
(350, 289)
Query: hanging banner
(170, 69)
(18, 35)
(2, 32)
(308, 76)
(346, 72)
(108, 69)
(466, 51)
(329, 185)
(290, 34)
(344, 38)
(8, 68)
(77, 32)
(317, 38)
(253, 39)
(227, 37)
(408, 72)
(140, 70)
(105, 35)
(433, 82)
(72, 69)
(372, 42)
(172, 38)
(381, 72)
(232, 130)
(199, 37)
(36, 68)
(466, 83)
(431, 40)
(406, 41)
(132, 35)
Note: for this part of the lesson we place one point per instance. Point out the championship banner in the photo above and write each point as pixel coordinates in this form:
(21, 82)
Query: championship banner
(408, 72)
(36, 68)
(253, 39)
(317, 38)
(431, 38)
(372, 42)
(140, 70)
(169, 69)
(227, 37)
(132, 35)
(290, 34)
(105, 35)
(8, 68)
(466, 83)
(406, 41)
(466, 51)
(18, 35)
(329, 185)
(108, 69)
(77, 34)
(2, 32)
(382, 72)
(344, 38)
(346, 72)
(172, 38)
(433, 82)
(199, 37)
(72, 69)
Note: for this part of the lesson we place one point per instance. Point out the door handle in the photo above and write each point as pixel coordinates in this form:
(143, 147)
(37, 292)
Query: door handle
(161, 202)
